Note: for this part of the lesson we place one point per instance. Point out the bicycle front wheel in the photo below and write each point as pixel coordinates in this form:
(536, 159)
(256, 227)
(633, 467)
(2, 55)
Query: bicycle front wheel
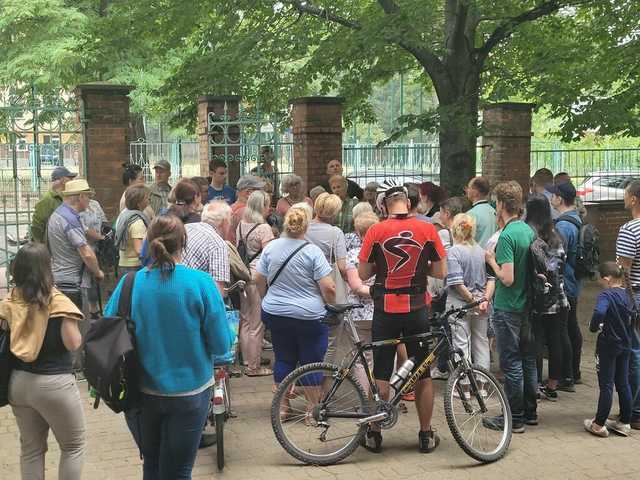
(483, 434)
(306, 433)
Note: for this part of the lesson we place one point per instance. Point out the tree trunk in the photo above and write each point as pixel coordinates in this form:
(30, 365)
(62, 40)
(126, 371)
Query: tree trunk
(458, 138)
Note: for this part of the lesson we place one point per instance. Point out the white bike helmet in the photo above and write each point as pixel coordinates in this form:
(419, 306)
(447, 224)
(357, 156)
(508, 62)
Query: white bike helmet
(389, 188)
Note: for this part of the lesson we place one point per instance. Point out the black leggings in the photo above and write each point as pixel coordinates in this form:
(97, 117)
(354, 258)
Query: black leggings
(548, 329)
(394, 325)
(575, 336)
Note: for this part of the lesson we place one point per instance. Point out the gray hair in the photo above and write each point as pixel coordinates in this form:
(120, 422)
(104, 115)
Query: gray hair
(216, 212)
(257, 201)
(360, 208)
(289, 180)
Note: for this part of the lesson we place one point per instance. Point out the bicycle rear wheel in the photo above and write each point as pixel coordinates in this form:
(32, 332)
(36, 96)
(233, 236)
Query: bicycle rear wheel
(295, 415)
(220, 419)
(484, 436)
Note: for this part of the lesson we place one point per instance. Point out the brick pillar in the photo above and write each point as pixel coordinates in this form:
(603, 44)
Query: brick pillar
(107, 128)
(506, 143)
(216, 104)
(317, 136)
(608, 217)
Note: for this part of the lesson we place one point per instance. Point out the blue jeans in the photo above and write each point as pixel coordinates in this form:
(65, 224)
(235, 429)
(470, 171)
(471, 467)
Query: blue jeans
(613, 367)
(634, 373)
(518, 363)
(171, 430)
(295, 342)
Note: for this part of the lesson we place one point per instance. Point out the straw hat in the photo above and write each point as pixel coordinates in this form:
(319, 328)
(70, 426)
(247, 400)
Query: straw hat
(76, 187)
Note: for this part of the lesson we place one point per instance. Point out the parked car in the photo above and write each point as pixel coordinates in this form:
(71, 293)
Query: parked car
(606, 185)
(362, 177)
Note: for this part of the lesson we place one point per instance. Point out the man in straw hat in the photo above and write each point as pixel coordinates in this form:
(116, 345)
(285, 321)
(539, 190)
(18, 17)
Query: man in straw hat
(70, 250)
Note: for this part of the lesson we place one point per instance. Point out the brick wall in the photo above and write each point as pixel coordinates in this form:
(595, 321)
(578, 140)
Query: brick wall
(608, 217)
(317, 136)
(506, 143)
(107, 135)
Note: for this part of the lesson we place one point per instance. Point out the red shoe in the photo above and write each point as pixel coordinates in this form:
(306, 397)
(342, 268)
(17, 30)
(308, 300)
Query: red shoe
(409, 397)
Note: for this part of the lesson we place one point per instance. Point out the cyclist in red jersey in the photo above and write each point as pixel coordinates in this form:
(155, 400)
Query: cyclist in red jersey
(401, 252)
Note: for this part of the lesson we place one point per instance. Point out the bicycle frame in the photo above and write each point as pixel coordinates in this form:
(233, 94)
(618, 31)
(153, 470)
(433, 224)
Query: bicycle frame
(409, 382)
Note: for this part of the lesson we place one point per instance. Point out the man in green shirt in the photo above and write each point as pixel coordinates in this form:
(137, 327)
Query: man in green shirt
(160, 189)
(510, 318)
(477, 191)
(49, 202)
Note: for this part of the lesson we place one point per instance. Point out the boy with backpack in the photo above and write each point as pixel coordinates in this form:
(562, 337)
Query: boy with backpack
(580, 242)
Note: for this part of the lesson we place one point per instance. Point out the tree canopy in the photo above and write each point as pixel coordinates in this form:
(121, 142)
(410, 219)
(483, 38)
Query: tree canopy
(576, 58)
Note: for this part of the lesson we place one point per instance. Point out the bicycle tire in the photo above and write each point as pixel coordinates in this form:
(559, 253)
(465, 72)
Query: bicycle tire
(458, 435)
(220, 418)
(277, 423)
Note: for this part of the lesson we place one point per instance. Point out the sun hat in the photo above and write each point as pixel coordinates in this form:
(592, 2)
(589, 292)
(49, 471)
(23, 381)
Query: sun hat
(76, 187)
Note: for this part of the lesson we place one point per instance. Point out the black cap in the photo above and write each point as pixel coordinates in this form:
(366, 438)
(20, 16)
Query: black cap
(564, 190)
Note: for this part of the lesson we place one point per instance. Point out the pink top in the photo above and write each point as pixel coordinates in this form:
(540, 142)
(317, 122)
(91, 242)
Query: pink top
(284, 204)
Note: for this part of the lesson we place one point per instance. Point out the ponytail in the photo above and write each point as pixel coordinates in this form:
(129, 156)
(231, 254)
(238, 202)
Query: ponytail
(167, 238)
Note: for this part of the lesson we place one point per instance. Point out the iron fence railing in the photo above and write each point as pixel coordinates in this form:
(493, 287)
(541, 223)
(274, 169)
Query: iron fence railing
(599, 174)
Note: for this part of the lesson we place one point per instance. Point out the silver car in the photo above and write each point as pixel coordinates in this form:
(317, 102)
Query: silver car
(606, 185)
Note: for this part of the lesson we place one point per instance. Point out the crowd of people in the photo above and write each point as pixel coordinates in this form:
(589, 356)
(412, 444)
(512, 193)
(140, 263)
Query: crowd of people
(401, 250)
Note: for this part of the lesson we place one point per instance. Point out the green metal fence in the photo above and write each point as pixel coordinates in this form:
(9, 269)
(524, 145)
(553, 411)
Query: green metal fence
(599, 174)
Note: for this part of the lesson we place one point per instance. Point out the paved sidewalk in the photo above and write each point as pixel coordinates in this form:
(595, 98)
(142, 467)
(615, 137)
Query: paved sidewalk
(557, 449)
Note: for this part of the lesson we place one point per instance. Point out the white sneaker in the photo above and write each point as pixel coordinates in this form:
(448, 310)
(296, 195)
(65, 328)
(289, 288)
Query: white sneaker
(620, 428)
(590, 427)
(436, 374)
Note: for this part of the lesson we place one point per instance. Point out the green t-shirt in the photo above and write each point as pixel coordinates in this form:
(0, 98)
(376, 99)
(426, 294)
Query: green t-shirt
(513, 247)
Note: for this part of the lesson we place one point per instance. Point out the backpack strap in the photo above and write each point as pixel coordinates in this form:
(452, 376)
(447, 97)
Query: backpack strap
(284, 264)
(246, 238)
(124, 302)
(572, 220)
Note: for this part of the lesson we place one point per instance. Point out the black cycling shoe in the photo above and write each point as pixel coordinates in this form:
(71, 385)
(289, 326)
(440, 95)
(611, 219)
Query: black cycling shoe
(428, 441)
(372, 441)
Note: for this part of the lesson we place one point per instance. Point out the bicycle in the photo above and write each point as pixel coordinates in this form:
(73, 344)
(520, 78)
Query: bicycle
(320, 412)
(220, 405)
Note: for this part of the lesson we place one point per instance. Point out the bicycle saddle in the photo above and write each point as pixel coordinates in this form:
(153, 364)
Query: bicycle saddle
(342, 307)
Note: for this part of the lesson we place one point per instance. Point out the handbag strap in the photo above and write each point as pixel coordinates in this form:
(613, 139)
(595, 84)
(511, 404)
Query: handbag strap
(284, 264)
(124, 302)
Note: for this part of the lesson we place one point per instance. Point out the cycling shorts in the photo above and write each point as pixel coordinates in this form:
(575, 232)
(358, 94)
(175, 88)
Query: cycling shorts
(386, 326)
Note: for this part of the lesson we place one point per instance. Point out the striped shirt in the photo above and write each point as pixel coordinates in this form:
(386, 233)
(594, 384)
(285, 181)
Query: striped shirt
(206, 250)
(628, 246)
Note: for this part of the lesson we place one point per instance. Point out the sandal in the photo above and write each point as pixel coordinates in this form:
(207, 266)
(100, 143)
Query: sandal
(258, 372)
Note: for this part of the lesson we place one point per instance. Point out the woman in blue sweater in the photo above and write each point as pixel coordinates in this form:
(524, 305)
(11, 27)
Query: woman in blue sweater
(180, 324)
(612, 317)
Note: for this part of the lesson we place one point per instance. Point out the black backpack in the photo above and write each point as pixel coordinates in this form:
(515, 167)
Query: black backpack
(545, 276)
(106, 249)
(110, 363)
(588, 248)
(243, 250)
(6, 363)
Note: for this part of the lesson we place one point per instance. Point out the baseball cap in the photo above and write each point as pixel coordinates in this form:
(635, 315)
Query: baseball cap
(250, 182)
(564, 190)
(163, 164)
(62, 172)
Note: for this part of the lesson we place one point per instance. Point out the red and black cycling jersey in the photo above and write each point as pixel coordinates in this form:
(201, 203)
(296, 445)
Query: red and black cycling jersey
(401, 250)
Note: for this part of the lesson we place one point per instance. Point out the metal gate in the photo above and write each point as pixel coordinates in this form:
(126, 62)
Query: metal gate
(37, 133)
(244, 141)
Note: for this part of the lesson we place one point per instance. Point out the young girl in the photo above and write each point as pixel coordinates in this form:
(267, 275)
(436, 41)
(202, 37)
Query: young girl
(612, 317)
(467, 281)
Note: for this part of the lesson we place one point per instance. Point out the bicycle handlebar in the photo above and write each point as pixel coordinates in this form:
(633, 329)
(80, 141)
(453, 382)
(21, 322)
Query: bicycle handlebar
(237, 286)
(457, 310)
